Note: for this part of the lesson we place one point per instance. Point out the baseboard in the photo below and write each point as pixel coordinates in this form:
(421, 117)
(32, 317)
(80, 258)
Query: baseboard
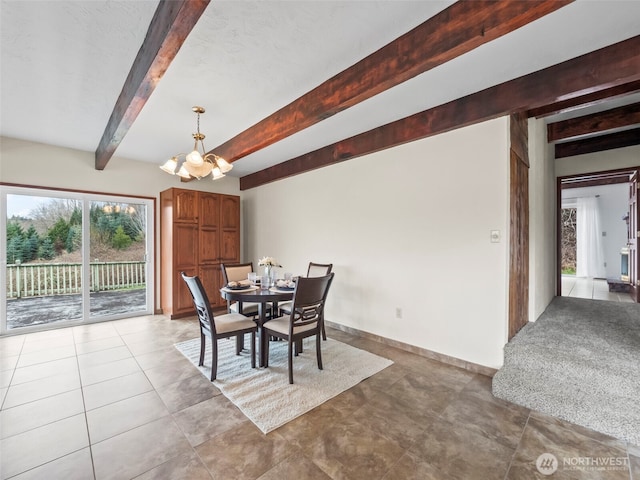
(423, 352)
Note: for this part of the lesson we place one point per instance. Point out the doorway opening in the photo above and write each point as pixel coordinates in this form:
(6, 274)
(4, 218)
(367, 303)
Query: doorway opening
(593, 236)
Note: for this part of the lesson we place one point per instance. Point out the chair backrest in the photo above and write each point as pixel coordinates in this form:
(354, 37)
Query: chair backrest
(201, 302)
(236, 272)
(309, 299)
(319, 269)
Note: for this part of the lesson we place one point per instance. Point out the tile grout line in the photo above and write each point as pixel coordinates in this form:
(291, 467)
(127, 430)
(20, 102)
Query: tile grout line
(84, 405)
(13, 372)
(515, 450)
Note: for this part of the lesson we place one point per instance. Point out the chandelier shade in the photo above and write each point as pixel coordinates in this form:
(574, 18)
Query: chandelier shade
(195, 164)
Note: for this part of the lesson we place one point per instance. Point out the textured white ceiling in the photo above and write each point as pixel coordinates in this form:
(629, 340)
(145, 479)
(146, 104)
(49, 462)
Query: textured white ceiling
(63, 64)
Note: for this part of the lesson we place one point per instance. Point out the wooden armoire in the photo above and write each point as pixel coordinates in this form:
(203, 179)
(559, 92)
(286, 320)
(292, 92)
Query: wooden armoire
(199, 231)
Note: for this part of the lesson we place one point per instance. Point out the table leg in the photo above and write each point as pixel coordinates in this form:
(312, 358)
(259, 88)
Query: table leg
(262, 341)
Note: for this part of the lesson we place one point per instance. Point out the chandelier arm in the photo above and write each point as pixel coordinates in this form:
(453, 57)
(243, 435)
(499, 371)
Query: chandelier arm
(189, 167)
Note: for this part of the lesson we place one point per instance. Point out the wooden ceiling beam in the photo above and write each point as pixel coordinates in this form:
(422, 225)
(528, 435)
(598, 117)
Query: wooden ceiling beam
(600, 122)
(172, 22)
(595, 179)
(626, 138)
(456, 30)
(583, 101)
(604, 68)
(597, 182)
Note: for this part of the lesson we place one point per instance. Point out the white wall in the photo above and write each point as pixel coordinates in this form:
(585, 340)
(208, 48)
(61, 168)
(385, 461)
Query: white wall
(542, 223)
(405, 228)
(613, 204)
(599, 161)
(37, 164)
(414, 237)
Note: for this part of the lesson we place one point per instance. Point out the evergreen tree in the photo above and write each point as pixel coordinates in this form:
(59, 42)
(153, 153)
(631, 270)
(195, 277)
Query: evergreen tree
(76, 217)
(31, 247)
(58, 235)
(14, 230)
(31, 244)
(74, 238)
(14, 249)
(121, 240)
(47, 251)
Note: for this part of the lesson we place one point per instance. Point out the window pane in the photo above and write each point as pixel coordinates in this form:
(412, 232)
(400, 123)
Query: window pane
(44, 260)
(117, 258)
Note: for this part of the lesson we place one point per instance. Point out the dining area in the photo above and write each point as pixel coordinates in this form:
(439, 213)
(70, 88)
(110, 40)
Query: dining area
(255, 353)
(265, 306)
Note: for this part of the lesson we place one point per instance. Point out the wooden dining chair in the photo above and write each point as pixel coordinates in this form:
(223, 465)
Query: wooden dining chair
(222, 326)
(313, 270)
(305, 320)
(236, 273)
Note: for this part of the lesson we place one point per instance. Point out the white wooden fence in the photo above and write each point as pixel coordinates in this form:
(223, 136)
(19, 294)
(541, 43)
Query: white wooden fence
(34, 280)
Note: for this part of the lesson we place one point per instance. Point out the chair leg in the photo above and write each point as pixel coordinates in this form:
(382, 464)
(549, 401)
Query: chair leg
(214, 359)
(324, 332)
(239, 343)
(253, 349)
(202, 349)
(290, 361)
(318, 353)
(264, 347)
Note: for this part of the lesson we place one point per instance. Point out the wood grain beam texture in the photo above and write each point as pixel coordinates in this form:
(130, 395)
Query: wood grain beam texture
(172, 22)
(601, 143)
(589, 100)
(600, 122)
(604, 68)
(604, 180)
(456, 30)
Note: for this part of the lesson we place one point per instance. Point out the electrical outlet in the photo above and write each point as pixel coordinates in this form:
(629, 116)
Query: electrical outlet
(398, 312)
(495, 236)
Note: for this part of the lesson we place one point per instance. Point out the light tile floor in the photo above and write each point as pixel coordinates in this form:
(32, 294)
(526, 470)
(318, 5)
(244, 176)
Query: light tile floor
(592, 288)
(116, 400)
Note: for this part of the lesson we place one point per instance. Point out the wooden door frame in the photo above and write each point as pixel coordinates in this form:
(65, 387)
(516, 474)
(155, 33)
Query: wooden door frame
(518, 293)
(635, 225)
(605, 178)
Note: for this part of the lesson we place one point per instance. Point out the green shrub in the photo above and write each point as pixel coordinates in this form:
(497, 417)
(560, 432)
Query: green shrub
(120, 239)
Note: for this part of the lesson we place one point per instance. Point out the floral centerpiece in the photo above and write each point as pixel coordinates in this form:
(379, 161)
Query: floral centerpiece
(268, 263)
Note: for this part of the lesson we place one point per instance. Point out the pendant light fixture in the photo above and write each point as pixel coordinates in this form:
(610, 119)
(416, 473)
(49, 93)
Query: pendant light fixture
(197, 164)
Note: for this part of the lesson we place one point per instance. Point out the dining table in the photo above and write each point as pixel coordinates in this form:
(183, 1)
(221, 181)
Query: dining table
(261, 296)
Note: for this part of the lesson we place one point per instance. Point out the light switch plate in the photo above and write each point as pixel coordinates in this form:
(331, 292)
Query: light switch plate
(495, 236)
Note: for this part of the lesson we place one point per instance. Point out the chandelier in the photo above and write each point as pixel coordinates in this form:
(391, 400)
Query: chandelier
(195, 164)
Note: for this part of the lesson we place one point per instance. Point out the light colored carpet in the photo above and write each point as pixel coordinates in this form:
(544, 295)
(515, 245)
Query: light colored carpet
(265, 396)
(580, 361)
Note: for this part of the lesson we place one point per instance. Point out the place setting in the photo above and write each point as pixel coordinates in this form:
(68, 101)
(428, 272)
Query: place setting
(240, 286)
(284, 285)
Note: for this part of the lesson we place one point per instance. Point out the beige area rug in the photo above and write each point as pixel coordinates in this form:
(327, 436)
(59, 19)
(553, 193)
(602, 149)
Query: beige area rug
(265, 396)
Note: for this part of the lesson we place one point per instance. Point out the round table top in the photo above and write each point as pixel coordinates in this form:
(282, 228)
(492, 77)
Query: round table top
(257, 295)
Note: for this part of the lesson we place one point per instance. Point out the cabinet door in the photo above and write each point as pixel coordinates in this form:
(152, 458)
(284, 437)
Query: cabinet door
(182, 300)
(230, 246)
(185, 246)
(185, 207)
(211, 277)
(230, 229)
(209, 210)
(230, 212)
(209, 242)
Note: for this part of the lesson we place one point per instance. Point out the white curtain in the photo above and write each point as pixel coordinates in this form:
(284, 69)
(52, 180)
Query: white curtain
(590, 252)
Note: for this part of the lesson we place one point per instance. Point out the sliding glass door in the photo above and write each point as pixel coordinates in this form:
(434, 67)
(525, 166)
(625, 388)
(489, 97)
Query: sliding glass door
(118, 258)
(70, 258)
